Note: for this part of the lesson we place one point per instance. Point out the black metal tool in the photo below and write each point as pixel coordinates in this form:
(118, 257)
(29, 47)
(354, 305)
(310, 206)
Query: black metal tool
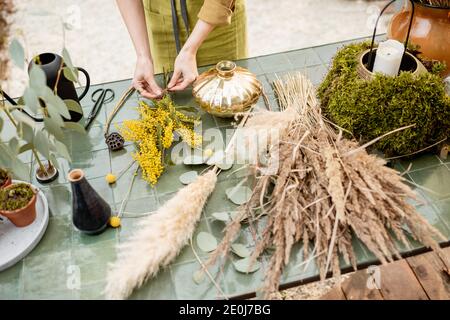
(100, 97)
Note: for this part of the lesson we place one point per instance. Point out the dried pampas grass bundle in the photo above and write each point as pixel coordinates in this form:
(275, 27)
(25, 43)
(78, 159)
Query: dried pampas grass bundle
(326, 191)
(159, 238)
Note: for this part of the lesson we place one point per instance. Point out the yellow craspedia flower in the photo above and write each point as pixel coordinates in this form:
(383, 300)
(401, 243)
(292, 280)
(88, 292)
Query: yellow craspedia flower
(114, 222)
(110, 178)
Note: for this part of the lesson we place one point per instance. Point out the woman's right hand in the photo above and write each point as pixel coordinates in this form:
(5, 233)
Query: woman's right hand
(144, 79)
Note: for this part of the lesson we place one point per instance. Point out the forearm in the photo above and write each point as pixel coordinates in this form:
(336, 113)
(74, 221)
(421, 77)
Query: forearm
(201, 31)
(132, 12)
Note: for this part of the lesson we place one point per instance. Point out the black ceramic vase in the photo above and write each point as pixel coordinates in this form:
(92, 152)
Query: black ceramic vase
(90, 213)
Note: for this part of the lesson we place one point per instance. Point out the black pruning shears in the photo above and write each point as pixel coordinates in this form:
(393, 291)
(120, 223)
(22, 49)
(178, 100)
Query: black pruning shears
(100, 97)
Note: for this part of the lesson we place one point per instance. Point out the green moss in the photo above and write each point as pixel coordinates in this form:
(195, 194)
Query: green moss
(3, 176)
(15, 197)
(369, 109)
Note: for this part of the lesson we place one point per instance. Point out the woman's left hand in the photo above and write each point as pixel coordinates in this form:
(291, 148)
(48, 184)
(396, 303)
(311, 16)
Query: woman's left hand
(185, 71)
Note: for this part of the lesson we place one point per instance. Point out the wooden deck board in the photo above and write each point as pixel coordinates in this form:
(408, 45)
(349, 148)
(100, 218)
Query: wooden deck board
(334, 294)
(355, 287)
(419, 277)
(429, 270)
(398, 282)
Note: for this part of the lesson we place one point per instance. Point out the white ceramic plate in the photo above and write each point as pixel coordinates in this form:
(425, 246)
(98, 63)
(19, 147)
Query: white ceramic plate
(16, 243)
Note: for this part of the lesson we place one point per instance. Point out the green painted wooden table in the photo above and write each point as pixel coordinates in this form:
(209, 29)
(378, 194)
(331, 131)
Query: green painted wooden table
(69, 265)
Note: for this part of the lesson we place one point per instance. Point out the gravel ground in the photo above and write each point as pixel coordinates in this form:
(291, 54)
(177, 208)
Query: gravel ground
(101, 43)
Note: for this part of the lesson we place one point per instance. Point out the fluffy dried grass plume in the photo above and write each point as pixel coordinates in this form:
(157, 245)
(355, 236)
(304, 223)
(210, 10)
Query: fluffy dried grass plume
(6, 10)
(159, 238)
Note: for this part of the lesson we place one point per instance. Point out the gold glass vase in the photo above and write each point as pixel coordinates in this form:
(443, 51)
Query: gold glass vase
(226, 90)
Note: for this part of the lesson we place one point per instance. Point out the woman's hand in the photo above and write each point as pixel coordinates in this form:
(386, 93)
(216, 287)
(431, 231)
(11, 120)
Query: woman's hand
(144, 79)
(185, 68)
(185, 71)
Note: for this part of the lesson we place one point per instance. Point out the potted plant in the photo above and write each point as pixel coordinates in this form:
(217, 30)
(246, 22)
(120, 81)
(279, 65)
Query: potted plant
(18, 204)
(5, 178)
(369, 107)
(429, 28)
(46, 141)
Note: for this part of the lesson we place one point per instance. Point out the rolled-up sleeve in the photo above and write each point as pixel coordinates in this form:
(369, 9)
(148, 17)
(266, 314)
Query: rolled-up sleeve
(217, 12)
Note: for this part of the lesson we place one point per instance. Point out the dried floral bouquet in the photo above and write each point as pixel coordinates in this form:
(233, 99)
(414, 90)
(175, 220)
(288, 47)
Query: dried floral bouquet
(326, 191)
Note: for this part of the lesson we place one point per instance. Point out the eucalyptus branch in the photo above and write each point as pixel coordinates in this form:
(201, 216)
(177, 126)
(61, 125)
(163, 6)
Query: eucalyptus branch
(15, 124)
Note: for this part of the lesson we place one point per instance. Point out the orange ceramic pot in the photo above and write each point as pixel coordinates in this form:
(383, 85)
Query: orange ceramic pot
(24, 216)
(430, 30)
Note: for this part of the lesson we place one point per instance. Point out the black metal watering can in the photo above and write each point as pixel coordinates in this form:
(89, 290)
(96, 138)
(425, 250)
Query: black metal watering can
(50, 63)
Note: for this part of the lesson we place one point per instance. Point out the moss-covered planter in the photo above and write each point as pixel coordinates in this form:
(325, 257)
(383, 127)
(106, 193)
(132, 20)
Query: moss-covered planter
(372, 108)
(18, 204)
(5, 178)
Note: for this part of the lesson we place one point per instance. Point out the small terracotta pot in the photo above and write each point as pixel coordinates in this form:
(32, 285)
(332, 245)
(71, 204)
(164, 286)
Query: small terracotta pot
(7, 182)
(24, 216)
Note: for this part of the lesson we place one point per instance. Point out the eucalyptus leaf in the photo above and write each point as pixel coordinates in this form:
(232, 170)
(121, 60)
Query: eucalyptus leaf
(75, 127)
(239, 194)
(5, 155)
(221, 216)
(198, 276)
(9, 160)
(220, 159)
(193, 160)
(55, 115)
(62, 150)
(38, 80)
(245, 265)
(68, 61)
(26, 147)
(188, 177)
(27, 132)
(41, 144)
(240, 250)
(17, 53)
(206, 241)
(56, 103)
(1, 124)
(69, 74)
(23, 118)
(14, 146)
(20, 169)
(54, 161)
(30, 99)
(52, 127)
(224, 166)
(74, 106)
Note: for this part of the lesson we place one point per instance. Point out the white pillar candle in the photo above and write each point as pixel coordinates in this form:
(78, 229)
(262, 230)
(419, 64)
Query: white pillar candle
(389, 57)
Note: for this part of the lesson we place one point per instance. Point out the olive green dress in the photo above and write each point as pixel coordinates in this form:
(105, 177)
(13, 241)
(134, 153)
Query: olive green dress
(228, 41)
